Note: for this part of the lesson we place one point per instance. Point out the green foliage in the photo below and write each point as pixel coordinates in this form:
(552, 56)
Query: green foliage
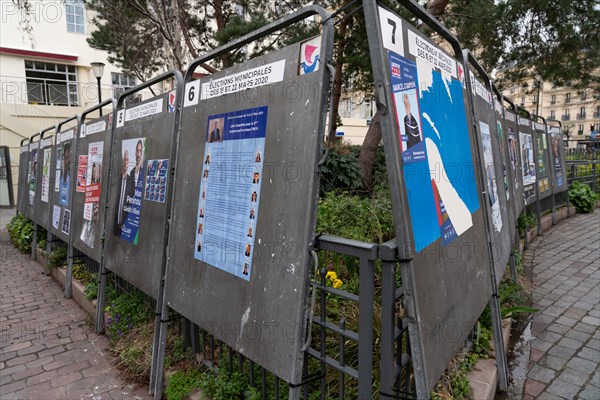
(58, 257)
(127, 311)
(82, 274)
(181, 383)
(341, 172)
(525, 222)
(91, 289)
(20, 230)
(583, 197)
(355, 217)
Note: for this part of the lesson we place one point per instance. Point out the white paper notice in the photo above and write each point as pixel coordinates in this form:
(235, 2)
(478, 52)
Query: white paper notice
(55, 217)
(96, 127)
(391, 31)
(143, 110)
(429, 53)
(255, 77)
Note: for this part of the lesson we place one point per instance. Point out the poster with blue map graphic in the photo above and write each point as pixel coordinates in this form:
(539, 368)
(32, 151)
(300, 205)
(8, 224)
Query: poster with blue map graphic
(439, 178)
(229, 195)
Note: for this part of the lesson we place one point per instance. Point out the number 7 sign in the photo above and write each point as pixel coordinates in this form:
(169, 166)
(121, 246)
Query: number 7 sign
(391, 31)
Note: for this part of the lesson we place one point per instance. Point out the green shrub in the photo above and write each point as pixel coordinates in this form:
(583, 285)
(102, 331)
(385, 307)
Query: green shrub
(58, 257)
(525, 222)
(181, 383)
(126, 311)
(82, 274)
(583, 197)
(20, 230)
(341, 172)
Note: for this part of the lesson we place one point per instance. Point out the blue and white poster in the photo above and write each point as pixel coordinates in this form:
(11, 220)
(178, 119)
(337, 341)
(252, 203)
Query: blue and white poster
(229, 196)
(131, 187)
(436, 149)
(156, 180)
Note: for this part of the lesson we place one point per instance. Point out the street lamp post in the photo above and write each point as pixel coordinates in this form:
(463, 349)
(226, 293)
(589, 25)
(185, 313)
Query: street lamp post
(98, 68)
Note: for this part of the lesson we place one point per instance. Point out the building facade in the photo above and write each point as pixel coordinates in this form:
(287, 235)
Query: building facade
(578, 110)
(45, 69)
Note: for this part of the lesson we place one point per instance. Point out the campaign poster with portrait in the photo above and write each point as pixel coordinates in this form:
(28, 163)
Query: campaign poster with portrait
(528, 163)
(81, 174)
(91, 206)
(32, 173)
(229, 195)
(434, 136)
(130, 181)
(46, 173)
(490, 175)
(62, 183)
(513, 153)
(558, 169)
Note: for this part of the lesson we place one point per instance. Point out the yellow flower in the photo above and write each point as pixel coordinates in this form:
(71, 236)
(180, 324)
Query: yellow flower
(337, 283)
(331, 275)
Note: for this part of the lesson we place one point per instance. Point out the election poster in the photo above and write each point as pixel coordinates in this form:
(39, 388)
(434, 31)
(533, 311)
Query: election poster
(131, 186)
(156, 180)
(229, 196)
(46, 174)
(434, 132)
(81, 173)
(63, 172)
(490, 175)
(32, 172)
(91, 207)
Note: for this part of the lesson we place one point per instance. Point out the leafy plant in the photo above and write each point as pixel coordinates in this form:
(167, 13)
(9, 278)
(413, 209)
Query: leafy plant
(181, 383)
(583, 197)
(126, 311)
(82, 274)
(341, 172)
(525, 222)
(20, 230)
(58, 257)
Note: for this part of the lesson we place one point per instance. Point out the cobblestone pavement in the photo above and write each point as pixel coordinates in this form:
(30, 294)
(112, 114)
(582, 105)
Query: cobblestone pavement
(48, 349)
(564, 361)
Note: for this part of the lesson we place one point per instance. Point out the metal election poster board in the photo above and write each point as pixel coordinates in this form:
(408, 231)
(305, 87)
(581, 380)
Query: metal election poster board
(557, 157)
(527, 143)
(543, 158)
(244, 211)
(514, 152)
(507, 172)
(138, 187)
(44, 182)
(22, 192)
(32, 175)
(91, 176)
(64, 171)
(436, 187)
(495, 177)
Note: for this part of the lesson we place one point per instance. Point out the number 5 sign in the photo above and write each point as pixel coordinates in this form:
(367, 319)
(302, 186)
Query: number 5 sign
(391, 31)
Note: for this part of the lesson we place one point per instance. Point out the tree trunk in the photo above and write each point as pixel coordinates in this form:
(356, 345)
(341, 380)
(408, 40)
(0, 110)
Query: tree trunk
(368, 153)
(337, 84)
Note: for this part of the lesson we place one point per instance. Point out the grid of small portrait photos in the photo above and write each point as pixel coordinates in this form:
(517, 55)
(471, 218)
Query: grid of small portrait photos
(156, 180)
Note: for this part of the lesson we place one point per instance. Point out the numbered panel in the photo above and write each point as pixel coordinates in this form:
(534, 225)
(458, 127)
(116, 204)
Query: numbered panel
(557, 159)
(436, 191)
(32, 177)
(45, 180)
(22, 191)
(245, 203)
(543, 160)
(91, 177)
(495, 174)
(514, 154)
(508, 155)
(142, 143)
(63, 171)
(528, 144)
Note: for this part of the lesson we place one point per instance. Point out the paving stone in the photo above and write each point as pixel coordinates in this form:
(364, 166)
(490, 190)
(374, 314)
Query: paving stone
(563, 389)
(562, 352)
(590, 393)
(582, 365)
(589, 354)
(558, 328)
(575, 377)
(553, 362)
(570, 343)
(533, 388)
(541, 374)
(578, 335)
(585, 327)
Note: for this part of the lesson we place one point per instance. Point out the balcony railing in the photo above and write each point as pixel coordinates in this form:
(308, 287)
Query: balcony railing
(565, 117)
(50, 92)
(581, 116)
